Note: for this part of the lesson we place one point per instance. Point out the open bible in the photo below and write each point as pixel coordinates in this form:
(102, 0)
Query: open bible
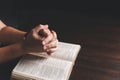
(40, 66)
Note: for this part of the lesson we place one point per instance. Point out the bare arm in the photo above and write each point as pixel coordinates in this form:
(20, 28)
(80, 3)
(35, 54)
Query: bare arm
(11, 52)
(9, 35)
(33, 42)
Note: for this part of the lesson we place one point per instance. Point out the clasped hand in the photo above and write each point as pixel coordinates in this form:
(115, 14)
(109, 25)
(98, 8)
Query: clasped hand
(41, 39)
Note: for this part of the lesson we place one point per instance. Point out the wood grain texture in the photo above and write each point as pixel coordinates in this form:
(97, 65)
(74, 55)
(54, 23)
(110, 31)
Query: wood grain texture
(99, 58)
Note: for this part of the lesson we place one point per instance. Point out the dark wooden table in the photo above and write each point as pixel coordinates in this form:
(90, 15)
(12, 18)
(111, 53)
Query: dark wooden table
(99, 58)
(99, 37)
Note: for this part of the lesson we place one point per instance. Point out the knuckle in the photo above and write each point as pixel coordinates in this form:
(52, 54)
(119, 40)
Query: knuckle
(32, 30)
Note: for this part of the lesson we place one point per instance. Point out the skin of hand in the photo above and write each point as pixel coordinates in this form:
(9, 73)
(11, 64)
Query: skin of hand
(50, 42)
(18, 46)
(37, 43)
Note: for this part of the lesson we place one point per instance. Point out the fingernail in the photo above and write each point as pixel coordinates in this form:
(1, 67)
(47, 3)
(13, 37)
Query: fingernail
(43, 42)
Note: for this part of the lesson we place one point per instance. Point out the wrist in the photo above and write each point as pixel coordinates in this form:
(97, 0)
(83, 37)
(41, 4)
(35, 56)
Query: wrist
(23, 47)
(18, 48)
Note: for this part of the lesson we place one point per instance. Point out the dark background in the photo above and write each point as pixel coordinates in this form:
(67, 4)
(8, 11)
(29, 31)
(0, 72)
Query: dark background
(62, 16)
(95, 25)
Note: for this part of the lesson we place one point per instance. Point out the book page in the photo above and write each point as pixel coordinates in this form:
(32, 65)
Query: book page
(41, 68)
(66, 51)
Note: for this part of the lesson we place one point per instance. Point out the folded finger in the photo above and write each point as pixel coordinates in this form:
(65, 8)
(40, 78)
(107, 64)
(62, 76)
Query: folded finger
(40, 27)
(52, 44)
(47, 39)
(54, 34)
(49, 51)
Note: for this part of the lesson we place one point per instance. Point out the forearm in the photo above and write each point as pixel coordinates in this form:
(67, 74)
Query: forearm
(10, 35)
(11, 52)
